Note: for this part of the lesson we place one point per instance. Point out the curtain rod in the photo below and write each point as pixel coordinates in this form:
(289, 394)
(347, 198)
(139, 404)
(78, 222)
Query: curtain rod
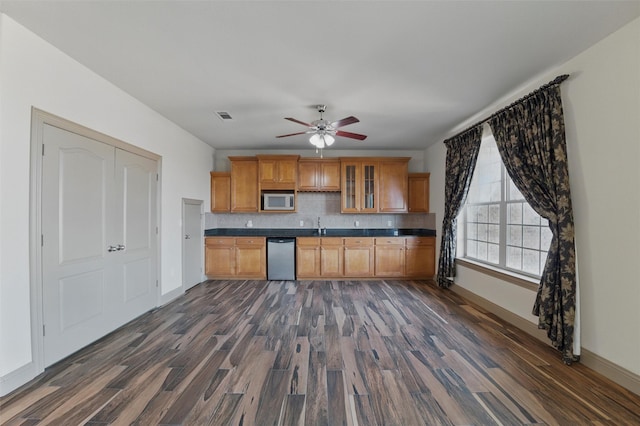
(559, 79)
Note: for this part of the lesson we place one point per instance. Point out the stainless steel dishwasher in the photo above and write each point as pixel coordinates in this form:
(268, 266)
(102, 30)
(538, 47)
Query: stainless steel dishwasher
(281, 258)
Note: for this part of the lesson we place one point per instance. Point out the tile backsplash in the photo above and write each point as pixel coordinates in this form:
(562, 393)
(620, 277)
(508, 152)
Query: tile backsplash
(325, 205)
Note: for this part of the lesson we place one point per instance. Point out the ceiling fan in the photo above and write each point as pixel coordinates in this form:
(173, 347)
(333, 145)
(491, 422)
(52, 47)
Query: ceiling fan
(323, 132)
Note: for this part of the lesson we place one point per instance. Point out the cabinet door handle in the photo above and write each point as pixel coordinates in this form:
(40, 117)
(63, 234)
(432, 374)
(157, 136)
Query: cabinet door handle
(111, 249)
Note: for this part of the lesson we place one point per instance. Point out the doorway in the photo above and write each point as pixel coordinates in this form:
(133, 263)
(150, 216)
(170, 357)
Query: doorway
(96, 219)
(192, 243)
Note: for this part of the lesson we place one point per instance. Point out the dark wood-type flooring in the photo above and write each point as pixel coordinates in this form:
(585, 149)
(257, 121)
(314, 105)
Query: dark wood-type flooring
(319, 353)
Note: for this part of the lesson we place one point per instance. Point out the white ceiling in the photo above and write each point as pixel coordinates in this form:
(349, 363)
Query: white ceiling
(409, 70)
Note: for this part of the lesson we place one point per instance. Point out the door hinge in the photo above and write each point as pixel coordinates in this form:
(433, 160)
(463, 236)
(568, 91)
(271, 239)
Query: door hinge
(156, 283)
(156, 230)
(43, 150)
(157, 177)
(41, 240)
(43, 330)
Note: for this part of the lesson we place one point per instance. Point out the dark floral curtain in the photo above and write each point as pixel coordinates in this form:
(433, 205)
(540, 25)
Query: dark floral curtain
(462, 154)
(531, 140)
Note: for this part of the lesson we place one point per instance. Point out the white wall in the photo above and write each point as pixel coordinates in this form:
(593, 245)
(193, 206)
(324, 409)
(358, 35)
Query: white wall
(34, 73)
(601, 102)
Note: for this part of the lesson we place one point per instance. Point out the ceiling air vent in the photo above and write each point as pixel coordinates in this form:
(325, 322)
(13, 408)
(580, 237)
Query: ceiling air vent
(224, 115)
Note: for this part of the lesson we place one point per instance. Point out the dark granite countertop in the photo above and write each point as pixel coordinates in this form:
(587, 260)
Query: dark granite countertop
(306, 232)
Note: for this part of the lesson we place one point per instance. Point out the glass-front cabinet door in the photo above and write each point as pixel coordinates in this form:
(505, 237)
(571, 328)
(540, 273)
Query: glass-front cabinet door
(359, 186)
(369, 187)
(350, 188)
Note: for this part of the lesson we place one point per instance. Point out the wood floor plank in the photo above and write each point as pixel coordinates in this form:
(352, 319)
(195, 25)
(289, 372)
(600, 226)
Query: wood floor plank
(299, 367)
(319, 353)
(293, 411)
(316, 402)
(336, 406)
(272, 397)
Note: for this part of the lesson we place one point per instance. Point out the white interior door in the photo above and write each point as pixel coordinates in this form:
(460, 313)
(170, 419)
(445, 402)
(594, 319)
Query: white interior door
(192, 243)
(96, 201)
(136, 232)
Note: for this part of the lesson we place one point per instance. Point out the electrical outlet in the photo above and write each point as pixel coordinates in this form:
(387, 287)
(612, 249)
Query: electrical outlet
(302, 223)
(389, 223)
(357, 223)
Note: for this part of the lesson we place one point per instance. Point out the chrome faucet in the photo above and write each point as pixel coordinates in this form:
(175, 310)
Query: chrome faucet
(319, 228)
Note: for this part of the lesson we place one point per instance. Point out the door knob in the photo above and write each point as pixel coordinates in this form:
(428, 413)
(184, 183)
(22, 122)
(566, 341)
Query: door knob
(120, 247)
(112, 249)
(187, 237)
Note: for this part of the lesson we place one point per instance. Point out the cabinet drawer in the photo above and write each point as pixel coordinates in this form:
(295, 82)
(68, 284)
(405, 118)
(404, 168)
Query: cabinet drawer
(219, 241)
(358, 242)
(331, 241)
(250, 241)
(307, 241)
(421, 241)
(390, 241)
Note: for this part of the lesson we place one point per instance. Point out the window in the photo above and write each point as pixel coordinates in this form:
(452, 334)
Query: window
(498, 226)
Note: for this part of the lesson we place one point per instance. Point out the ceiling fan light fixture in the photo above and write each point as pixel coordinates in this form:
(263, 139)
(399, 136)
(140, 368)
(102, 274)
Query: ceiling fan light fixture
(317, 141)
(320, 140)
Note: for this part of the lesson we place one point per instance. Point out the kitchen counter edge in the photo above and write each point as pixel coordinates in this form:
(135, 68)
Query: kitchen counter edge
(331, 232)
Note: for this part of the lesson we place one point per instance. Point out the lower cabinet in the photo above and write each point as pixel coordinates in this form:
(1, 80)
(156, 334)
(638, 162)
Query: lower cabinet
(331, 257)
(319, 257)
(236, 257)
(307, 257)
(388, 257)
(358, 257)
(420, 257)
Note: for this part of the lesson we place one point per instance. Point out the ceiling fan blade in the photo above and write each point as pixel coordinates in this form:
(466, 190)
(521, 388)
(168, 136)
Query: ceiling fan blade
(351, 135)
(291, 134)
(344, 122)
(298, 121)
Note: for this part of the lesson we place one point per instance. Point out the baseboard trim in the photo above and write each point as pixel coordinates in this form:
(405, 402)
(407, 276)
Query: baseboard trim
(513, 319)
(170, 296)
(18, 377)
(608, 369)
(611, 371)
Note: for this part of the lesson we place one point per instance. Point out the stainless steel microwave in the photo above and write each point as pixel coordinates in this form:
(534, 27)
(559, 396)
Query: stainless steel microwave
(273, 201)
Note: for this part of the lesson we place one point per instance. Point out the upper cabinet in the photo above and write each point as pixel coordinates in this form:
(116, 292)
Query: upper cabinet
(419, 193)
(319, 174)
(372, 185)
(393, 187)
(278, 171)
(220, 192)
(367, 184)
(359, 185)
(244, 184)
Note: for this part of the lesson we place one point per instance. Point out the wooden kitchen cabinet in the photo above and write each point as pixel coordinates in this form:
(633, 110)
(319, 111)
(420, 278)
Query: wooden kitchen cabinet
(307, 257)
(236, 257)
(244, 184)
(420, 257)
(418, 192)
(220, 192)
(251, 257)
(359, 257)
(319, 174)
(374, 185)
(390, 257)
(219, 253)
(331, 257)
(359, 185)
(393, 185)
(319, 257)
(278, 171)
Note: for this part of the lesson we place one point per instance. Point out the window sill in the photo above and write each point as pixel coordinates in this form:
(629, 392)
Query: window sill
(513, 278)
